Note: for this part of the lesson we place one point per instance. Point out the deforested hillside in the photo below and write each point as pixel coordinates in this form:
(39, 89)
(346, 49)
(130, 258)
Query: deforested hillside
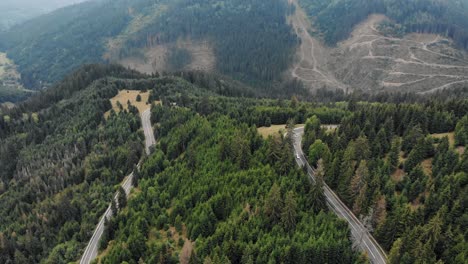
(448, 18)
(376, 49)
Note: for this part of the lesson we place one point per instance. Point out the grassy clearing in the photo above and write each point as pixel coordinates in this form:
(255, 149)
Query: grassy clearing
(274, 130)
(461, 150)
(427, 166)
(8, 69)
(450, 135)
(8, 105)
(125, 96)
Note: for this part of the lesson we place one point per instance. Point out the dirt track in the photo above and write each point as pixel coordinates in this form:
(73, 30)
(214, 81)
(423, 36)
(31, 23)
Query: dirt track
(311, 66)
(369, 60)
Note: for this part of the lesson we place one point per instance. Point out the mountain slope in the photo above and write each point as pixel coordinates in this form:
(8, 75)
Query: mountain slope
(16, 11)
(249, 41)
(448, 18)
(340, 44)
(379, 54)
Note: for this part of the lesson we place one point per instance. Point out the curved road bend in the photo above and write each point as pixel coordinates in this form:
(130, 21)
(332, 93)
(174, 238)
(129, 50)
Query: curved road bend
(91, 250)
(360, 234)
(148, 129)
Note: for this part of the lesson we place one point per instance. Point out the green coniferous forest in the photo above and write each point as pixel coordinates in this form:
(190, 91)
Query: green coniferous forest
(221, 184)
(387, 162)
(214, 190)
(252, 40)
(239, 197)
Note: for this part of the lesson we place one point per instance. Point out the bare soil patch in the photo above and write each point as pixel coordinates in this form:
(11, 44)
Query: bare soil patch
(311, 56)
(461, 150)
(450, 135)
(9, 75)
(427, 166)
(369, 60)
(154, 59)
(398, 175)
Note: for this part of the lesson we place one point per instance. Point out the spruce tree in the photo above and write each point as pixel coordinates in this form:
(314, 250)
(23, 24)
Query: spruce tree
(121, 198)
(273, 204)
(289, 212)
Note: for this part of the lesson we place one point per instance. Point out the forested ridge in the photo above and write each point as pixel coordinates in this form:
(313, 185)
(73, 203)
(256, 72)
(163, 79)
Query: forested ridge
(213, 182)
(386, 164)
(238, 198)
(51, 46)
(448, 18)
(419, 217)
(252, 41)
(61, 160)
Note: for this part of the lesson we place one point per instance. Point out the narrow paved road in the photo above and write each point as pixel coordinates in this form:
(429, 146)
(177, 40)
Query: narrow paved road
(91, 250)
(149, 133)
(366, 241)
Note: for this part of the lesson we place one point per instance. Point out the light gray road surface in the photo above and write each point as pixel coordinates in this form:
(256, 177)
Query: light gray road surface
(360, 234)
(148, 129)
(91, 250)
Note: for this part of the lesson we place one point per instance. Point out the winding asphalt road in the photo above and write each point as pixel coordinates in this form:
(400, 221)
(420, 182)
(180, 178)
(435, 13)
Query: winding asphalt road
(91, 250)
(149, 133)
(360, 234)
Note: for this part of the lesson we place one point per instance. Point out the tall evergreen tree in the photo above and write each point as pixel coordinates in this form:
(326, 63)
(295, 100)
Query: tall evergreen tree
(274, 204)
(121, 198)
(289, 212)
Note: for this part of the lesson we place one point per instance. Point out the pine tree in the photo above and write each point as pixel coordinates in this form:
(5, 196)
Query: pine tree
(136, 177)
(274, 204)
(360, 178)
(394, 155)
(316, 197)
(395, 253)
(114, 207)
(289, 212)
(294, 102)
(461, 132)
(121, 198)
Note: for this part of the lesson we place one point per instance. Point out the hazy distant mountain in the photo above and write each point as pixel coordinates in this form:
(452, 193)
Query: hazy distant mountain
(17, 11)
(343, 44)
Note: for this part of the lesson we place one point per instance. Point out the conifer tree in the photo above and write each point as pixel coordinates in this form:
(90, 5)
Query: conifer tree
(274, 204)
(121, 198)
(289, 212)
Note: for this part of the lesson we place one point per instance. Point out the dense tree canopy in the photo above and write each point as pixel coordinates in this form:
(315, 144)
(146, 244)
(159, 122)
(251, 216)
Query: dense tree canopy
(252, 40)
(414, 198)
(237, 197)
